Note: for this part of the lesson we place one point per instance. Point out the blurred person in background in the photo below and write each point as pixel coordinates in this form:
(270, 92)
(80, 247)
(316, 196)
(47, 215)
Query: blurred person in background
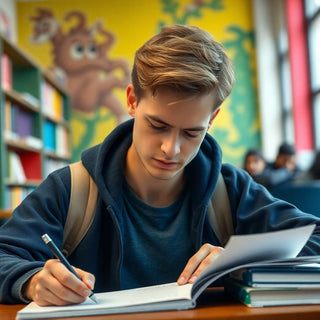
(254, 162)
(282, 170)
(287, 158)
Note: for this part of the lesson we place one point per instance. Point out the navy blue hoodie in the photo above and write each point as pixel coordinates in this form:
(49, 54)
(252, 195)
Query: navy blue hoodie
(23, 253)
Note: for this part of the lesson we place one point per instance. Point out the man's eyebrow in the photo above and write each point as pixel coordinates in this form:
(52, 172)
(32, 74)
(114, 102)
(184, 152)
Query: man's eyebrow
(156, 119)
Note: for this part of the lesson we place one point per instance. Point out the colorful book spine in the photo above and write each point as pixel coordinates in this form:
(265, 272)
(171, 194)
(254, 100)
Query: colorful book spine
(15, 195)
(24, 123)
(49, 136)
(20, 125)
(52, 101)
(6, 72)
(57, 104)
(14, 110)
(15, 171)
(31, 163)
(62, 141)
(7, 116)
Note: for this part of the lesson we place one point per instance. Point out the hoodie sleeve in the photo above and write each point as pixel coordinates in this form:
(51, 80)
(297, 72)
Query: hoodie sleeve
(22, 251)
(255, 210)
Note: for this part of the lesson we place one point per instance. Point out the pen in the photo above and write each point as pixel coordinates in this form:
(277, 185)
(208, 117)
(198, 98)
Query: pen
(58, 254)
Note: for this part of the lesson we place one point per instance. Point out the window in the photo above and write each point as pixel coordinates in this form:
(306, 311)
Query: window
(285, 76)
(312, 10)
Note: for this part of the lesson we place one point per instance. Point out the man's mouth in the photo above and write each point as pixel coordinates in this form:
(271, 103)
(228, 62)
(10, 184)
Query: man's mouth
(167, 164)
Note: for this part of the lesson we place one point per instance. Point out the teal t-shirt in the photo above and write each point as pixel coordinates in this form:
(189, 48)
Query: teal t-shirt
(157, 242)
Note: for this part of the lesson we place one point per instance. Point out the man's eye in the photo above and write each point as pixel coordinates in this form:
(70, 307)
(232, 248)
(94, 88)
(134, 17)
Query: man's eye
(156, 127)
(192, 134)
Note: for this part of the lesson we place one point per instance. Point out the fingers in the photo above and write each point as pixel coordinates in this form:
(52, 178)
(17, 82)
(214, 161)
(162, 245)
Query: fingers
(56, 285)
(87, 278)
(198, 263)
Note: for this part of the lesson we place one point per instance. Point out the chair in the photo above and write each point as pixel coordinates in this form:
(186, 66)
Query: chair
(305, 196)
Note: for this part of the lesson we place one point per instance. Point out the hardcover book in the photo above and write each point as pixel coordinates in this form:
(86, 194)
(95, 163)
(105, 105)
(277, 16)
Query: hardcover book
(272, 276)
(272, 296)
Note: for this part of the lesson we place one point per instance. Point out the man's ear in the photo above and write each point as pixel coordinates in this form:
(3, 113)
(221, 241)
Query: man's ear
(131, 101)
(212, 118)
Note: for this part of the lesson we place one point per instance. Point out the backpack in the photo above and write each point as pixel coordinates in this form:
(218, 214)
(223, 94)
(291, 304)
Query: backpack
(83, 200)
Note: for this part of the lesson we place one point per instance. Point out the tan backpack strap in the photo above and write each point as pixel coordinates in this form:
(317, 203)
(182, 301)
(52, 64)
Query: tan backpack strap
(219, 212)
(82, 205)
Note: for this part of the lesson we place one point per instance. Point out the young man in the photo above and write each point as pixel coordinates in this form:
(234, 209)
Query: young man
(156, 175)
(283, 170)
(286, 158)
(254, 162)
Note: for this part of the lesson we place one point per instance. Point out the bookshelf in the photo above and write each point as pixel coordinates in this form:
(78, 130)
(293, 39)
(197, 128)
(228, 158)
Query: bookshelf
(34, 126)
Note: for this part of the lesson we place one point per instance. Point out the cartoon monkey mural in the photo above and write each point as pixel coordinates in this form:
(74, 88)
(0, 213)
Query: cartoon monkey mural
(89, 74)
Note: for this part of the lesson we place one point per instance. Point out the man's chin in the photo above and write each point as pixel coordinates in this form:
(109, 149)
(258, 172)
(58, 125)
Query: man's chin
(164, 174)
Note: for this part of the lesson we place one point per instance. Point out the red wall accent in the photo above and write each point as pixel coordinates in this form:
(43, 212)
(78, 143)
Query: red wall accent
(298, 56)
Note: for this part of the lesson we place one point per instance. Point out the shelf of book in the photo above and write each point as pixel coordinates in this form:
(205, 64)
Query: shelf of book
(34, 126)
(17, 145)
(23, 100)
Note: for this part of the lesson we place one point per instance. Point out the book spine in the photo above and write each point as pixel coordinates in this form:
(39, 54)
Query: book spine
(15, 195)
(49, 136)
(6, 72)
(31, 162)
(15, 172)
(237, 290)
(14, 111)
(52, 101)
(24, 123)
(7, 111)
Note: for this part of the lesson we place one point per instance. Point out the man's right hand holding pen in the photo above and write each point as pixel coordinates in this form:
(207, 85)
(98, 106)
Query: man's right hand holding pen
(54, 284)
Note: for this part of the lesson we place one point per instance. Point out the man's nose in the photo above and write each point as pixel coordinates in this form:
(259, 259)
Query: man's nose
(251, 168)
(171, 145)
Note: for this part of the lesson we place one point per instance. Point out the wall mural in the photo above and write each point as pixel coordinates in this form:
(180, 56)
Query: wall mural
(243, 110)
(81, 58)
(243, 101)
(83, 66)
(194, 9)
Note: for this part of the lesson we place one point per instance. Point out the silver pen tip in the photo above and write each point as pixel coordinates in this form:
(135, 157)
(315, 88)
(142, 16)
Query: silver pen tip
(93, 298)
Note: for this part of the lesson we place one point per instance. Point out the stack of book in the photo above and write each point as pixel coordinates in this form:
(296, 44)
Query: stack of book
(275, 285)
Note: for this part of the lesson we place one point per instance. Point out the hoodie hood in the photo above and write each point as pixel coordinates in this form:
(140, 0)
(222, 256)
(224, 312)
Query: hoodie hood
(105, 163)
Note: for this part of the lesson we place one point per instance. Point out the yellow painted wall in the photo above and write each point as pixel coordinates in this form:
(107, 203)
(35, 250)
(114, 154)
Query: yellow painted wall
(134, 22)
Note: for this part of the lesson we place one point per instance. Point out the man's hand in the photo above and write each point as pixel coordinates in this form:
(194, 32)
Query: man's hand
(198, 263)
(56, 285)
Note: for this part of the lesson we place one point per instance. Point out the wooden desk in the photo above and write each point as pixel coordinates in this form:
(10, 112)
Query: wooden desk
(214, 304)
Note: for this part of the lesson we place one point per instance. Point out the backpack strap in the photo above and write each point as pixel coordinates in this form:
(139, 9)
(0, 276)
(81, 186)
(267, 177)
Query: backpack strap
(219, 212)
(82, 206)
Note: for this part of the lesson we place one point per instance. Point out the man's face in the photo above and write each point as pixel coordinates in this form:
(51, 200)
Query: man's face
(168, 131)
(286, 161)
(254, 165)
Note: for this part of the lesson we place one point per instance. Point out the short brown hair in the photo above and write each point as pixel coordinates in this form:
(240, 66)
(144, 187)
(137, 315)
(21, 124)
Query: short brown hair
(186, 59)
